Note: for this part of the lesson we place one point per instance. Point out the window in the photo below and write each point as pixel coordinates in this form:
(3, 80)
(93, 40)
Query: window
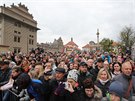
(17, 24)
(17, 39)
(15, 31)
(31, 41)
(17, 50)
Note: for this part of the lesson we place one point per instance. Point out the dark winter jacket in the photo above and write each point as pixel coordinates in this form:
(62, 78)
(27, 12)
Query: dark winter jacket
(104, 87)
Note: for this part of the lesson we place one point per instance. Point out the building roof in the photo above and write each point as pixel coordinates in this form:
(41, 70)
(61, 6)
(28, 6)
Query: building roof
(87, 46)
(19, 13)
(90, 46)
(71, 44)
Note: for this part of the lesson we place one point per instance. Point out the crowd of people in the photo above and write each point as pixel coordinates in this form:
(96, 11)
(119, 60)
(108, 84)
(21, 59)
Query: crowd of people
(79, 76)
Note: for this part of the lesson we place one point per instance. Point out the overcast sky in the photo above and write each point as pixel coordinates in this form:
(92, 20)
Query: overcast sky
(79, 18)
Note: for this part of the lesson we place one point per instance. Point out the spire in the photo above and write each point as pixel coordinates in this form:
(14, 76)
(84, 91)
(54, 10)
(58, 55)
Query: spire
(97, 31)
(71, 39)
(97, 36)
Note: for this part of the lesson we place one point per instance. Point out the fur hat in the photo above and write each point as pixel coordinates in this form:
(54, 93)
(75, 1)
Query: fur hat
(73, 74)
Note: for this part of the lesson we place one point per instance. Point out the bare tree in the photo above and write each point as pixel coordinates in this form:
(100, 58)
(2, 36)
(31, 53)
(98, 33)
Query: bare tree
(127, 37)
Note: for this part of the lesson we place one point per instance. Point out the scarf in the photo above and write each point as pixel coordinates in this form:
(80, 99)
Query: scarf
(103, 82)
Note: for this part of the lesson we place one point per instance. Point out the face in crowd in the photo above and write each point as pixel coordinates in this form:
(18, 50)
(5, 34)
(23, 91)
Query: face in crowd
(127, 68)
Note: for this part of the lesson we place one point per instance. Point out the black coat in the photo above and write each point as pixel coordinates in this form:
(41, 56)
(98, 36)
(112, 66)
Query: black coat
(46, 88)
(94, 73)
(104, 88)
(82, 77)
(64, 94)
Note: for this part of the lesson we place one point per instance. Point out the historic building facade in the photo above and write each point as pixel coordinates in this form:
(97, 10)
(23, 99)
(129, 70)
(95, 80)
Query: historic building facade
(91, 46)
(70, 47)
(56, 46)
(18, 29)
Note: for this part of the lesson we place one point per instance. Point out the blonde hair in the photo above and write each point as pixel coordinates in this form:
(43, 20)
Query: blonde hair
(41, 70)
(33, 74)
(101, 70)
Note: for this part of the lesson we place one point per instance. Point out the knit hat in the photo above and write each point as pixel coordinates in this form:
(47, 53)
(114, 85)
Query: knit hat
(73, 75)
(116, 88)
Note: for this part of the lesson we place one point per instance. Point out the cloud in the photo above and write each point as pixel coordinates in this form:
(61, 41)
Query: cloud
(80, 18)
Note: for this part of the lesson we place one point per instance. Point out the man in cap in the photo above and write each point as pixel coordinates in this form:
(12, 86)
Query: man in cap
(83, 73)
(57, 85)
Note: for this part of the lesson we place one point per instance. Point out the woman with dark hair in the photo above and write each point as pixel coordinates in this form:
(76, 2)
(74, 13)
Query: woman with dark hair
(116, 69)
(90, 91)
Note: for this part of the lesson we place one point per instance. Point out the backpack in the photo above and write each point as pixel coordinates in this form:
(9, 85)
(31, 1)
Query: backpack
(36, 90)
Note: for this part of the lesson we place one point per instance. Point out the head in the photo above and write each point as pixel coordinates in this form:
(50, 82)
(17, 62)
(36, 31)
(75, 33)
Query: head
(116, 67)
(83, 67)
(33, 74)
(60, 73)
(116, 91)
(100, 63)
(88, 87)
(106, 64)
(72, 77)
(90, 62)
(12, 64)
(103, 74)
(16, 71)
(75, 66)
(48, 75)
(48, 65)
(23, 81)
(127, 68)
(4, 65)
(38, 68)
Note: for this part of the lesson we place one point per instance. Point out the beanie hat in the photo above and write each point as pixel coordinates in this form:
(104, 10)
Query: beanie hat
(116, 88)
(73, 75)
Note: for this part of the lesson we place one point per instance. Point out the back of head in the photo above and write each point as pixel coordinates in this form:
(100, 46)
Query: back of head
(88, 83)
(23, 81)
(116, 88)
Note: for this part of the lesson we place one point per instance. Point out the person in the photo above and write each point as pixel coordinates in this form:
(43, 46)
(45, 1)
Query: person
(90, 91)
(107, 57)
(32, 88)
(45, 79)
(57, 85)
(115, 92)
(5, 73)
(116, 69)
(127, 80)
(71, 87)
(103, 81)
(83, 73)
(95, 70)
(90, 63)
